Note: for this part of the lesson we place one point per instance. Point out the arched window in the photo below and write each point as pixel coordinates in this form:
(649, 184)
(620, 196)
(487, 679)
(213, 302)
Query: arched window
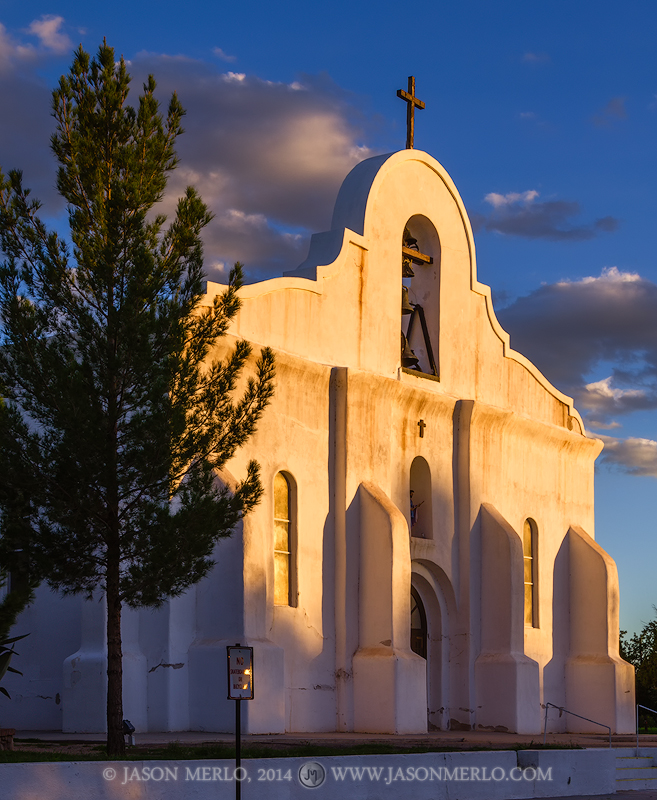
(284, 541)
(421, 507)
(529, 551)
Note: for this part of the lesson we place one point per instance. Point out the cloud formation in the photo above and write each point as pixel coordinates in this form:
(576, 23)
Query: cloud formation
(267, 157)
(612, 112)
(26, 122)
(51, 39)
(506, 200)
(222, 55)
(518, 214)
(569, 328)
(632, 455)
(48, 30)
(602, 398)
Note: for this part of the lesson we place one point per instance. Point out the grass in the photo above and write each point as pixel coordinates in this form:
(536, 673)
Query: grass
(178, 752)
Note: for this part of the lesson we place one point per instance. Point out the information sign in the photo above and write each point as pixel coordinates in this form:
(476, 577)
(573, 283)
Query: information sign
(240, 673)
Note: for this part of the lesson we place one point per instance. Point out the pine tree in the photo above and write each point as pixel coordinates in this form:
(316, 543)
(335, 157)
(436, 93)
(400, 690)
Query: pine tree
(116, 418)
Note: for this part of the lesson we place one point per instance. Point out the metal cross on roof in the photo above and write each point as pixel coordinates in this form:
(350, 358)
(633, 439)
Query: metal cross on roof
(413, 103)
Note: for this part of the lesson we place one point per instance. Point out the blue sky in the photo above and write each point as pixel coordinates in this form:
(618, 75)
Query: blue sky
(544, 114)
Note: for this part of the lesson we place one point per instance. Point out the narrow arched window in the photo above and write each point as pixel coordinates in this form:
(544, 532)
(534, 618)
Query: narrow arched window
(284, 539)
(529, 551)
(421, 515)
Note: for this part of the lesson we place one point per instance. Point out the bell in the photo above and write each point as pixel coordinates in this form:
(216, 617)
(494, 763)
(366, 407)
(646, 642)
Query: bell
(411, 243)
(408, 357)
(407, 308)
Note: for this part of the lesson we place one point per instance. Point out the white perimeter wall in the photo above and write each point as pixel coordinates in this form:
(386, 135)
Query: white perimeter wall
(572, 772)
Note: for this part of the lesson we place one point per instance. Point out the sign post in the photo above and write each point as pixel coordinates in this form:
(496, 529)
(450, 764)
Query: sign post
(240, 687)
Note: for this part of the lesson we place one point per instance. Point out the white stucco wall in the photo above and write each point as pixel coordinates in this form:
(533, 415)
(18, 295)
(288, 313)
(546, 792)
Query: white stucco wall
(501, 445)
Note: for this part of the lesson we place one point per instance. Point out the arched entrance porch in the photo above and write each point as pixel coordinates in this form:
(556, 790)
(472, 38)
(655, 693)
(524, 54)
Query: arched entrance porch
(430, 639)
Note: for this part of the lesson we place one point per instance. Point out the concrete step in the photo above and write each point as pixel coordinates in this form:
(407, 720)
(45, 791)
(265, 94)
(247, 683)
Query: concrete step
(637, 785)
(622, 761)
(634, 773)
(635, 768)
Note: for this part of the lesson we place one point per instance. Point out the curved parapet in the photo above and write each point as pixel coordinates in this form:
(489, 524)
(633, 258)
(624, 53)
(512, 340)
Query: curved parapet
(354, 211)
(342, 305)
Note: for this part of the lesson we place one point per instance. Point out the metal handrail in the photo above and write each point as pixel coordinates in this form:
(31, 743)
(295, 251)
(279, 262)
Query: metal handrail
(638, 706)
(572, 713)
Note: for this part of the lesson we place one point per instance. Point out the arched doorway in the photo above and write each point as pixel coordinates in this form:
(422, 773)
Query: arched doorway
(418, 625)
(432, 607)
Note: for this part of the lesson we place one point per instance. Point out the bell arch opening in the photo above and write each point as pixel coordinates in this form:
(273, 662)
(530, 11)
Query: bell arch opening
(420, 306)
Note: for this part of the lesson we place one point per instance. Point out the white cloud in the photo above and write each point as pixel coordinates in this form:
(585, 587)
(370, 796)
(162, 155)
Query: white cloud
(222, 55)
(604, 389)
(635, 456)
(238, 219)
(608, 275)
(601, 396)
(16, 54)
(26, 122)
(501, 200)
(603, 426)
(12, 51)
(516, 214)
(267, 158)
(220, 271)
(48, 30)
(569, 328)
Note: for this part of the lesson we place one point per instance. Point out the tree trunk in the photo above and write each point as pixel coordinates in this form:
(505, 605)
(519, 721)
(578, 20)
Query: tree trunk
(115, 738)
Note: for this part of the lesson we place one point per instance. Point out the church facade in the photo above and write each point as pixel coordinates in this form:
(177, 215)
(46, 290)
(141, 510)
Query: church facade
(424, 553)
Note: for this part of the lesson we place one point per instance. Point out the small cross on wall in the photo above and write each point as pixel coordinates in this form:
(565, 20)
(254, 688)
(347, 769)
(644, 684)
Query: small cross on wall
(422, 425)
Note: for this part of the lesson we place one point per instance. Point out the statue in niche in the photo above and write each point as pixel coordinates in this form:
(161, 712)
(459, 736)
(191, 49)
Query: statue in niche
(414, 511)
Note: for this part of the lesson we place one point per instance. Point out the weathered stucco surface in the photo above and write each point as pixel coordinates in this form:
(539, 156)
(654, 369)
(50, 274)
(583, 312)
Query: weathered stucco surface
(499, 445)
